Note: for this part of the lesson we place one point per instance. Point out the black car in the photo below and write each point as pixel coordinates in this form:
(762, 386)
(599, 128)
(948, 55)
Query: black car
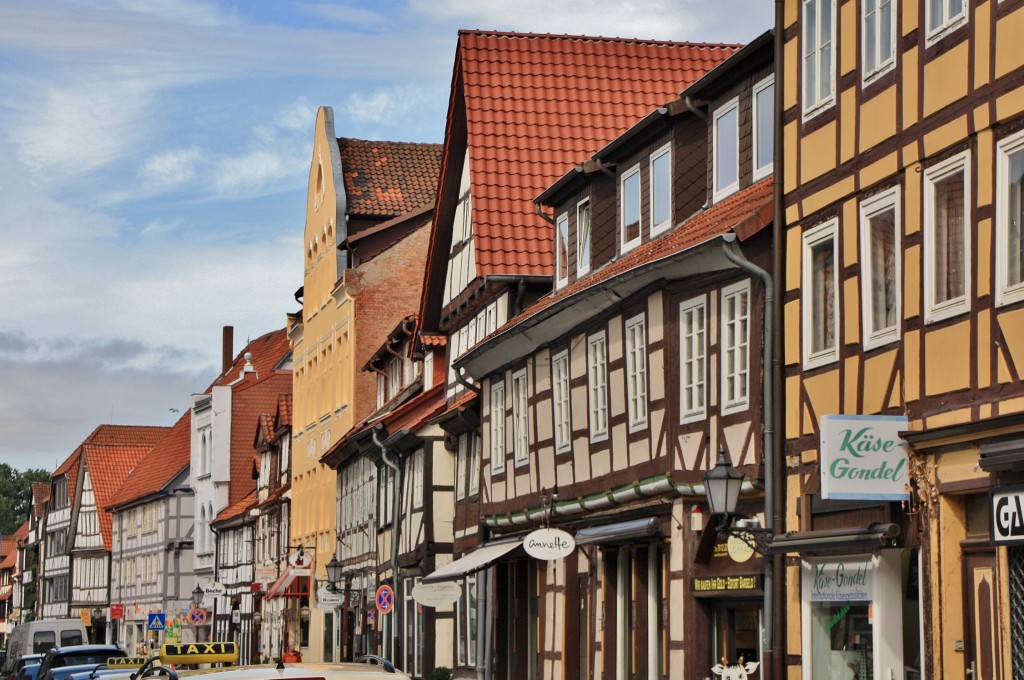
(77, 655)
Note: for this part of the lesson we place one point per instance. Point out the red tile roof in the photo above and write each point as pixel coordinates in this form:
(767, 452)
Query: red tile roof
(536, 105)
(284, 410)
(238, 508)
(433, 340)
(249, 400)
(40, 497)
(109, 467)
(8, 552)
(385, 179)
(267, 352)
(162, 464)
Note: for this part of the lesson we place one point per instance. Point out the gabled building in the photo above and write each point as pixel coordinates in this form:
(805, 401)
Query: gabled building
(152, 550)
(366, 205)
(904, 320)
(223, 455)
(273, 512)
(30, 558)
(235, 530)
(8, 579)
(523, 108)
(77, 543)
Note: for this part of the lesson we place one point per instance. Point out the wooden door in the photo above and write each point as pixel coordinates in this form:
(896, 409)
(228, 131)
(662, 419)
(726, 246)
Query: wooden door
(981, 656)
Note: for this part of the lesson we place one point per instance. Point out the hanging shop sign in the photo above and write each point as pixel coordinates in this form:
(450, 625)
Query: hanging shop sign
(328, 599)
(549, 544)
(116, 611)
(440, 594)
(864, 458)
(1007, 505)
(265, 573)
(840, 581)
(213, 589)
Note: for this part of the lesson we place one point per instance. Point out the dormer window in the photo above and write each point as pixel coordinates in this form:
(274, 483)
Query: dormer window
(629, 199)
(764, 127)
(661, 190)
(726, 133)
(562, 251)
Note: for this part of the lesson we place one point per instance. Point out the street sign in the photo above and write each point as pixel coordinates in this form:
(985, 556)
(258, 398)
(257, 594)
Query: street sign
(117, 611)
(156, 621)
(385, 599)
(213, 589)
(197, 617)
(328, 599)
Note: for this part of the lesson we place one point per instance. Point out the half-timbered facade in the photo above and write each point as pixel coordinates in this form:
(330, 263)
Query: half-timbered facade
(152, 543)
(903, 321)
(235, 530)
(8, 574)
(30, 557)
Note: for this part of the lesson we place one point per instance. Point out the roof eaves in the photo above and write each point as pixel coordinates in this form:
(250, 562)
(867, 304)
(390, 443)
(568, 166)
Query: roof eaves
(726, 67)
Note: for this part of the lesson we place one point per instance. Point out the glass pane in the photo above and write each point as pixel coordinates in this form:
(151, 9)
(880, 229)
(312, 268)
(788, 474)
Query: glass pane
(870, 37)
(583, 237)
(1015, 216)
(726, 149)
(765, 105)
(841, 640)
(883, 270)
(562, 247)
(661, 181)
(825, 71)
(949, 238)
(823, 296)
(631, 207)
(935, 14)
(885, 32)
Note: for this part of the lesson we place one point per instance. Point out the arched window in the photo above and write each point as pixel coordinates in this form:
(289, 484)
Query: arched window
(204, 453)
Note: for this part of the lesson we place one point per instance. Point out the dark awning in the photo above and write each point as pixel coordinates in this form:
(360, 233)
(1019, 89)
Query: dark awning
(837, 540)
(482, 557)
(620, 532)
(1002, 456)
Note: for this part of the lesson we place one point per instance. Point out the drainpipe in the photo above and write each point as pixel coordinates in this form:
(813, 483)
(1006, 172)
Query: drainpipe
(778, 265)
(396, 507)
(733, 254)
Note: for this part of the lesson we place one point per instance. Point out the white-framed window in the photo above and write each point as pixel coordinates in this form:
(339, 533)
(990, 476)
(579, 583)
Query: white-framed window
(414, 643)
(560, 400)
(475, 456)
(820, 294)
(726, 145)
(943, 17)
(878, 38)
(497, 432)
(818, 55)
(880, 267)
(636, 372)
(428, 370)
(520, 418)
(1009, 217)
(764, 127)
(693, 359)
(582, 237)
(735, 346)
(661, 189)
(385, 491)
(416, 465)
(466, 622)
(461, 464)
(597, 385)
(382, 391)
(562, 250)
(629, 218)
(947, 242)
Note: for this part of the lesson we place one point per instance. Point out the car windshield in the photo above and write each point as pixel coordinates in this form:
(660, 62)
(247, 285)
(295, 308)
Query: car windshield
(84, 658)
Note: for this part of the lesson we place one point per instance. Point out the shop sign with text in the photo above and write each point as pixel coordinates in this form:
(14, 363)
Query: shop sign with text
(719, 584)
(843, 581)
(1007, 505)
(863, 458)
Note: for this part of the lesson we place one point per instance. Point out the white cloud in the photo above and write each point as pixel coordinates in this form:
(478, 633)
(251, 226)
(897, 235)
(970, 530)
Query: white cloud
(347, 14)
(171, 168)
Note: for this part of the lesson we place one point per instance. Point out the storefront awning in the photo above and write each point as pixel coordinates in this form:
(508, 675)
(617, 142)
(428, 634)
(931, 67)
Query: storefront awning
(620, 532)
(837, 540)
(1003, 456)
(480, 558)
(282, 586)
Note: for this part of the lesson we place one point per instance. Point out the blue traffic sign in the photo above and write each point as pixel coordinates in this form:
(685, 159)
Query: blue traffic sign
(157, 621)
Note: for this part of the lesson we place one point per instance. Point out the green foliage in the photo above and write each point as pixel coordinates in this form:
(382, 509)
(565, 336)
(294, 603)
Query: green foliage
(16, 495)
(441, 673)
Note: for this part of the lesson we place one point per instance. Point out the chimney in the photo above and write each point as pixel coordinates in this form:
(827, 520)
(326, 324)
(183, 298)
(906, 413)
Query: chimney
(228, 352)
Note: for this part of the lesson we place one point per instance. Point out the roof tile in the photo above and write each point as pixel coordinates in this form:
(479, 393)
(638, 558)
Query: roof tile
(388, 178)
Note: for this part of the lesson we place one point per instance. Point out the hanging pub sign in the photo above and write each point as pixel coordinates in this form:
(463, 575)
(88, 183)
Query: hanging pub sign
(864, 458)
(1007, 505)
(549, 544)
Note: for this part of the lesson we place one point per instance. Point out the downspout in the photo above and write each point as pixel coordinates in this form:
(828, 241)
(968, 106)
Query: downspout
(543, 215)
(733, 254)
(396, 506)
(694, 110)
(777, 662)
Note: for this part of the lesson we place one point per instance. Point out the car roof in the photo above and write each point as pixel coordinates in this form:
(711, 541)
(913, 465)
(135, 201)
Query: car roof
(87, 649)
(327, 671)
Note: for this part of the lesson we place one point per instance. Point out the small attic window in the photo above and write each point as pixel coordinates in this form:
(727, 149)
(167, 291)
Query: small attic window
(319, 188)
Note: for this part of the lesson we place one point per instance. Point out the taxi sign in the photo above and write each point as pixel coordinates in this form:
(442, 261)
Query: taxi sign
(199, 652)
(126, 662)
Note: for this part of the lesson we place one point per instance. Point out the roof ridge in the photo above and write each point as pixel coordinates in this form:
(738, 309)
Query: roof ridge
(386, 141)
(593, 38)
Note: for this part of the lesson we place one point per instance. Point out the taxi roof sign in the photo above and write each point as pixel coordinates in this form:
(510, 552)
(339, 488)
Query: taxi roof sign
(127, 661)
(200, 652)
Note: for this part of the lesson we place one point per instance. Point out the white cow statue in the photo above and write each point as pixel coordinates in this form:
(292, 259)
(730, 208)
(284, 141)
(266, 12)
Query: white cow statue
(740, 671)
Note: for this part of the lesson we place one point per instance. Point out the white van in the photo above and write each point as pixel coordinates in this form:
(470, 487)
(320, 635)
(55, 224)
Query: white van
(38, 637)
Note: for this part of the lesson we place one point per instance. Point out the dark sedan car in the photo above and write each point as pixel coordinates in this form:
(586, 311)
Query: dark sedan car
(77, 655)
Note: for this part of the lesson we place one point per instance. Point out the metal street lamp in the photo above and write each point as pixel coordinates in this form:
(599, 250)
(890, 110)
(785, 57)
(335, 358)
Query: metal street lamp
(197, 596)
(335, 571)
(723, 483)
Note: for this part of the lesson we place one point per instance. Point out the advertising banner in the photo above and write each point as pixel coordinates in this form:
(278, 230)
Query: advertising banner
(864, 458)
(840, 581)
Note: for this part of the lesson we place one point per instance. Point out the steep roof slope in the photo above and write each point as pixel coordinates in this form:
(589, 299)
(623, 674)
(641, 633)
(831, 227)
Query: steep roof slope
(249, 401)
(536, 105)
(384, 179)
(158, 467)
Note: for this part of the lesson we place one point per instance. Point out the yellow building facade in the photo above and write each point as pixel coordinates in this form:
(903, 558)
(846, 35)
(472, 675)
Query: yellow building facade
(904, 337)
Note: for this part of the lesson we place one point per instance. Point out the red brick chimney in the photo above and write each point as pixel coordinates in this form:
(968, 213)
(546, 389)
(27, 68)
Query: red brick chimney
(228, 351)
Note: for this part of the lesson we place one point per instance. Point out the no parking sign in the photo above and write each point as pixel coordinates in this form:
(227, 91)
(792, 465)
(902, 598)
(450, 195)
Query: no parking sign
(385, 599)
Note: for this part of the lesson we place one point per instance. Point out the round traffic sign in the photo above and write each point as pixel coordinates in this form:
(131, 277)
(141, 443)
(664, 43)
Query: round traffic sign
(197, 617)
(385, 599)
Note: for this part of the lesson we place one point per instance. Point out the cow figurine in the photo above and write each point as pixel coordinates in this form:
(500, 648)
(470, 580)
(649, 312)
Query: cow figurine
(740, 671)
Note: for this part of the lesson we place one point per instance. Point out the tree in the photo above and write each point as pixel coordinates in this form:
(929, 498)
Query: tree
(16, 496)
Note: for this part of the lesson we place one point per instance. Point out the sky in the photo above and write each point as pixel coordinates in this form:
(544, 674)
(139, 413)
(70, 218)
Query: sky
(154, 157)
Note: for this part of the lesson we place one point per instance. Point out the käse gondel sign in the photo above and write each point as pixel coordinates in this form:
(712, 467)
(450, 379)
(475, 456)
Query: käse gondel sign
(863, 457)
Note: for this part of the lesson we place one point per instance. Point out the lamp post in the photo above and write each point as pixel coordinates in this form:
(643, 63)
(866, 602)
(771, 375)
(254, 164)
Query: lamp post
(723, 483)
(197, 596)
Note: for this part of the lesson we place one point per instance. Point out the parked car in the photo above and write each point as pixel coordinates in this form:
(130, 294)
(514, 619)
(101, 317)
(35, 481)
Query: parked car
(38, 637)
(29, 672)
(373, 668)
(78, 655)
(27, 665)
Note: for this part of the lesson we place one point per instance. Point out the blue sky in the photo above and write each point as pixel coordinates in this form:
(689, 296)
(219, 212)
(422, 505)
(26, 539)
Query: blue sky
(154, 156)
